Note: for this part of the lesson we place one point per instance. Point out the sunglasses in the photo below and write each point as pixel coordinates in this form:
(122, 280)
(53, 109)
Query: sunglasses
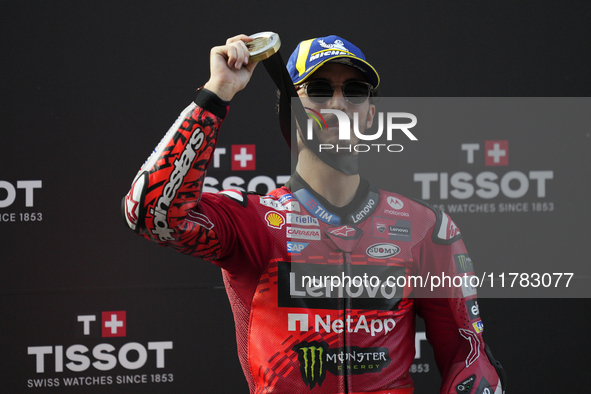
(354, 92)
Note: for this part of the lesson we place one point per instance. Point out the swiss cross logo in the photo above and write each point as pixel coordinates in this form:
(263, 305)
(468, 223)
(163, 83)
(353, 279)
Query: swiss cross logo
(243, 157)
(496, 153)
(114, 324)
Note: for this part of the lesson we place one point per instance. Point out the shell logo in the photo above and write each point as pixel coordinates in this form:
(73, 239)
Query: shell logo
(274, 220)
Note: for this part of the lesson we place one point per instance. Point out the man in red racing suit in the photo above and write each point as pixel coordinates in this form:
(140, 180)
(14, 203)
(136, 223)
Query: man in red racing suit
(324, 295)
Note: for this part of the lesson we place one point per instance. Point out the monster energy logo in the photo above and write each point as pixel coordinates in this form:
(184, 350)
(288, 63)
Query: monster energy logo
(463, 263)
(316, 359)
(310, 356)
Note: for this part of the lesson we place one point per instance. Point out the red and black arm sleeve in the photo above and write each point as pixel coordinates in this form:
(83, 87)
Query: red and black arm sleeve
(169, 185)
(452, 317)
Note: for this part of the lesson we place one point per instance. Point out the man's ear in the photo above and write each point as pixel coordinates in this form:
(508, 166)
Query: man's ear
(371, 112)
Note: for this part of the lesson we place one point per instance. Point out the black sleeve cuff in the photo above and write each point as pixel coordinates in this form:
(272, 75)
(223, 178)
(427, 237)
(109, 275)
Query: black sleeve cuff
(210, 101)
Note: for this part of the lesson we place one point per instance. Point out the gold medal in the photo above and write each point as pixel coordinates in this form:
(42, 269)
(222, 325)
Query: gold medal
(263, 46)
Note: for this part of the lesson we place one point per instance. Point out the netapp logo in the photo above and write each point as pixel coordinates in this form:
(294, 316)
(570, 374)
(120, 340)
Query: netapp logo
(349, 324)
(103, 356)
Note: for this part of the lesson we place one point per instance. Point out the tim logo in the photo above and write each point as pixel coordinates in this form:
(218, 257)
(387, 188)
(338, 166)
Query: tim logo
(344, 125)
(244, 157)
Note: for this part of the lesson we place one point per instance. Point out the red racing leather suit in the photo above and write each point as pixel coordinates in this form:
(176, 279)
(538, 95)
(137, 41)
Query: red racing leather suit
(296, 333)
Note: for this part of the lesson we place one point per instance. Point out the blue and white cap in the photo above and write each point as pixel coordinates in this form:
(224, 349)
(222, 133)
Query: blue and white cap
(311, 54)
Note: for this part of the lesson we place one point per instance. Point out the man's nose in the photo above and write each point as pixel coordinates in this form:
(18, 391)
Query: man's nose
(337, 100)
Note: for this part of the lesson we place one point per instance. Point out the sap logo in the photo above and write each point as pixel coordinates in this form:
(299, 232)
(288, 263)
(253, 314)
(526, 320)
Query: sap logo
(296, 247)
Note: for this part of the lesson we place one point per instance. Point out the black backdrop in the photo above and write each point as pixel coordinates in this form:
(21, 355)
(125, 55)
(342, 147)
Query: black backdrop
(88, 89)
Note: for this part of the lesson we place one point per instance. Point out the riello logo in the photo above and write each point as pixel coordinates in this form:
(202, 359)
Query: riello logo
(103, 356)
(344, 125)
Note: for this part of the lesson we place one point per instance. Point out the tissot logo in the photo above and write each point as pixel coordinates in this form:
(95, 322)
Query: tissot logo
(104, 356)
(487, 185)
(8, 190)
